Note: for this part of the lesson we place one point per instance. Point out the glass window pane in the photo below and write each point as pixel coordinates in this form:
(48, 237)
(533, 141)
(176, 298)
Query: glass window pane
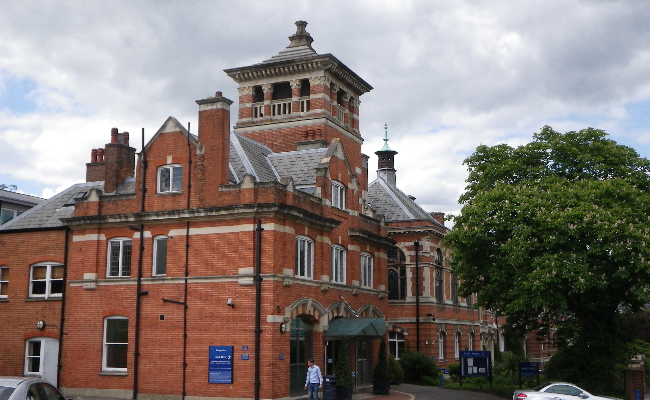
(57, 272)
(34, 348)
(114, 259)
(38, 287)
(4, 289)
(39, 272)
(117, 330)
(126, 258)
(116, 355)
(56, 286)
(51, 392)
(6, 215)
(308, 260)
(177, 174)
(164, 183)
(161, 256)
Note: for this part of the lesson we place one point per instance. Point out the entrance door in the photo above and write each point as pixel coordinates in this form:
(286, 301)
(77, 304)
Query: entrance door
(331, 353)
(302, 348)
(42, 357)
(364, 361)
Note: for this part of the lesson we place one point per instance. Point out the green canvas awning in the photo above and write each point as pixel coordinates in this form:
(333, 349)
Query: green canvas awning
(356, 327)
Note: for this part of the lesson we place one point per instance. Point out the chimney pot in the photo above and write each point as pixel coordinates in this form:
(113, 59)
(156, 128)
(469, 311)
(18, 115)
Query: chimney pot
(114, 135)
(100, 155)
(126, 138)
(218, 94)
(93, 155)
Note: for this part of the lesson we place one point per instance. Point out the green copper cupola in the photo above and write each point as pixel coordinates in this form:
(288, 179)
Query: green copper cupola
(386, 162)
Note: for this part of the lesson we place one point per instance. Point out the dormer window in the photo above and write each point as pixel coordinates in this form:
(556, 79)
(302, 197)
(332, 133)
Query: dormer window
(78, 195)
(170, 178)
(338, 195)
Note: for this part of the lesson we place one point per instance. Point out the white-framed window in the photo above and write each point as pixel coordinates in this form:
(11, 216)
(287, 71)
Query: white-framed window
(366, 270)
(116, 342)
(170, 178)
(304, 257)
(46, 280)
(470, 341)
(119, 258)
(456, 345)
(160, 255)
(33, 356)
(338, 264)
(4, 282)
(441, 345)
(396, 343)
(502, 342)
(338, 195)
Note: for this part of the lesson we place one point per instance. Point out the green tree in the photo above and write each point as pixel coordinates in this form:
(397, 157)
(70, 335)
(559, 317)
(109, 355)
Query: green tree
(342, 367)
(381, 371)
(556, 233)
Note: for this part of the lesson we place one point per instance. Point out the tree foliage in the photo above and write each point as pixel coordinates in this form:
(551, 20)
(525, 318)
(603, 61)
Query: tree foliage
(556, 233)
(416, 366)
(342, 367)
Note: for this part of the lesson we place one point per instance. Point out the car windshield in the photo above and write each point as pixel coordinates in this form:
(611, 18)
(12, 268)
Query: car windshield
(5, 392)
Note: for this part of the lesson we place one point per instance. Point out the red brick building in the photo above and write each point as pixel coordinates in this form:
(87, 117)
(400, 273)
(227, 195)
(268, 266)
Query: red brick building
(150, 268)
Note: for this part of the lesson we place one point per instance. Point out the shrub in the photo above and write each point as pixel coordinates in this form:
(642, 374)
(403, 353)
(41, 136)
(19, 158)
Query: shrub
(416, 365)
(396, 371)
(342, 369)
(381, 371)
(429, 381)
(454, 372)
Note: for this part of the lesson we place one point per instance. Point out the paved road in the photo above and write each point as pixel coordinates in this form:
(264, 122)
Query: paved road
(435, 393)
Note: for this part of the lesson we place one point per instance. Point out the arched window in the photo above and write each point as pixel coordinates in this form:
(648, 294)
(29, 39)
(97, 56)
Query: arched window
(470, 341)
(116, 342)
(440, 285)
(338, 195)
(304, 257)
(456, 345)
(396, 274)
(441, 345)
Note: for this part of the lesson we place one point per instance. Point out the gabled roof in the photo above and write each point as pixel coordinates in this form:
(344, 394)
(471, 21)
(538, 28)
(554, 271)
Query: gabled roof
(395, 205)
(48, 213)
(19, 198)
(172, 125)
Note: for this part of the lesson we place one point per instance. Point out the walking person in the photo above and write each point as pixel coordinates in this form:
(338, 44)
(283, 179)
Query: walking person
(314, 380)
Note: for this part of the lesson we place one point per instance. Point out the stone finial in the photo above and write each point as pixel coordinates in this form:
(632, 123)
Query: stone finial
(302, 37)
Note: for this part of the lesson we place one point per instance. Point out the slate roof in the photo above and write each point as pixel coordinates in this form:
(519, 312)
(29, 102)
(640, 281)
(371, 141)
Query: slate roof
(395, 205)
(19, 198)
(250, 157)
(299, 165)
(292, 53)
(48, 213)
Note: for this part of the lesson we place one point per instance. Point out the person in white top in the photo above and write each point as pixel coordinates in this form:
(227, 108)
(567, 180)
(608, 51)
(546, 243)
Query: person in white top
(314, 381)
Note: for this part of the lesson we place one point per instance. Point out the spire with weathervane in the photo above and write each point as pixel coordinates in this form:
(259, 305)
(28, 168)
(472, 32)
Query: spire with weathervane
(386, 162)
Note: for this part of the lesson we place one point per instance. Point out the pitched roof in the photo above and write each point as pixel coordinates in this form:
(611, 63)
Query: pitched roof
(19, 198)
(48, 213)
(250, 157)
(395, 205)
(299, 165)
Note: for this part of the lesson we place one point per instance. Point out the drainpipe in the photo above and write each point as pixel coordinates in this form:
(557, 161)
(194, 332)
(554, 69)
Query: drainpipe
(417, 295)
(66, 246)
(139, 292)
(258, 303)
(187, 261)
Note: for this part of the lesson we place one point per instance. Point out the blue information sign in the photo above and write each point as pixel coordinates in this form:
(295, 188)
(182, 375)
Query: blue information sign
(475, 364)
(220, 368)
(528, 369)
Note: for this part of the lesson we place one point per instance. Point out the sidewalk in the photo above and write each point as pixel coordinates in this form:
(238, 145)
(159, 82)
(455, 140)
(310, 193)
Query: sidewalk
(366, 394)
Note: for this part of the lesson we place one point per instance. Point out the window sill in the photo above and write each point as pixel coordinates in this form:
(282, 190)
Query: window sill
(43, 299)
(113, 373)
(168, 193)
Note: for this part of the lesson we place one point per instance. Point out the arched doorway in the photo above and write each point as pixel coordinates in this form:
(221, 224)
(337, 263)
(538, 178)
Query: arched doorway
(302, 348)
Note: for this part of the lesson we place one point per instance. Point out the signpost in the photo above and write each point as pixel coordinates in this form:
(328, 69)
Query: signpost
(220, 364)
(475, 364)
(528, 369)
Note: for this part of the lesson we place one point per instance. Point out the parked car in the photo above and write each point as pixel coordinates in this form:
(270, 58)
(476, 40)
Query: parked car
(23, 388)
(556, 391)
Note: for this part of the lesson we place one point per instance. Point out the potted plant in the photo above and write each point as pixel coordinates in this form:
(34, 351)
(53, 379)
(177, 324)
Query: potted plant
(344, 380)
(381, 373)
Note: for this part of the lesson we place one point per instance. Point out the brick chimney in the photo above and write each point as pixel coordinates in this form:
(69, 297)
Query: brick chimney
(214, 136)
(112, 164)
(439, 216)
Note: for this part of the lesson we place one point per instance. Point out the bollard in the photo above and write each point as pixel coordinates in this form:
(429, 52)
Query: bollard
(637, 394)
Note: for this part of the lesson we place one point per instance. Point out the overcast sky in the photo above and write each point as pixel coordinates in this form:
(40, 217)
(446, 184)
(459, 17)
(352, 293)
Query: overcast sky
(447, 75)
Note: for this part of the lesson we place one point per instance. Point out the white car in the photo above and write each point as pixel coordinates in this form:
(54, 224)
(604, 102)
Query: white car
(19, 388)
(555, 391)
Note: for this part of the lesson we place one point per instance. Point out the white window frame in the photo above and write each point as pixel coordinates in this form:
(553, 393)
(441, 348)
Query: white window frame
(156, 249)
(366, 270)
(106, 344)
(470, 341)
(307, 258)
(456, 345)
(48, 280)
(4, 282)
(29, 357)
(338, 264)
(121, 273)
(174, 170)
(338, 195)
(441, 345)
(394, 340)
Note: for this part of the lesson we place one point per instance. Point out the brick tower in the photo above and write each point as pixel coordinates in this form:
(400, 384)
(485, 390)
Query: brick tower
(299, 99)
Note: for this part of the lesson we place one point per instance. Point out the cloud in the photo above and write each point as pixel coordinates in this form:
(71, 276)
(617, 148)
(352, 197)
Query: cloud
(447, 76)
